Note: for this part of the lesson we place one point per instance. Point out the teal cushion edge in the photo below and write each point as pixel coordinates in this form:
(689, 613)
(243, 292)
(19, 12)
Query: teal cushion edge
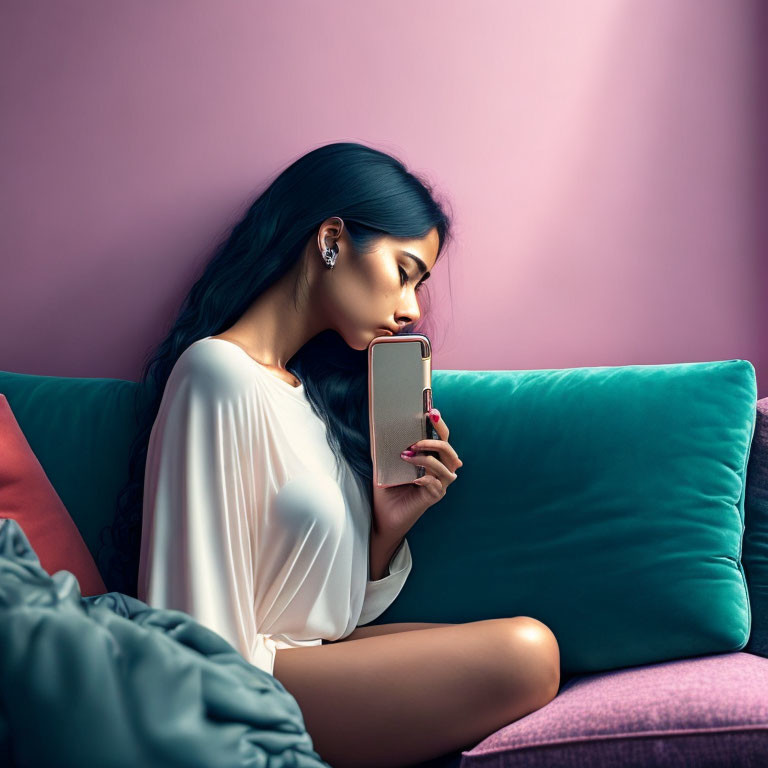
(80, 430)
(607, 502)
(755, 554)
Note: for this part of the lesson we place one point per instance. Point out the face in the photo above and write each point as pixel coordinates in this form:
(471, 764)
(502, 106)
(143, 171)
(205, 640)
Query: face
(380, 289)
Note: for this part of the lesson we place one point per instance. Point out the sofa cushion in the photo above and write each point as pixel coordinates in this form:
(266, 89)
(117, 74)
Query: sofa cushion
(27, 496)
(81, 430)
(755, 555)
(606, 502)
(694, 712)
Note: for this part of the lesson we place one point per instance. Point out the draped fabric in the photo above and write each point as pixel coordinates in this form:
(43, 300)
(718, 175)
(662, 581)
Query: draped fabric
(107, 680)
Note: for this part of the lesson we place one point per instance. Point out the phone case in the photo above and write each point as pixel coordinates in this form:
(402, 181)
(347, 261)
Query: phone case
(399, 397)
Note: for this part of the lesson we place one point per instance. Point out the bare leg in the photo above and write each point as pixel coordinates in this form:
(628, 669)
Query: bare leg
(387, 629)
(402, 697)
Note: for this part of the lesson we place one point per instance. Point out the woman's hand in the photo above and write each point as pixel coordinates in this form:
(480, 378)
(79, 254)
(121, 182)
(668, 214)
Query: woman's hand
(397, 508)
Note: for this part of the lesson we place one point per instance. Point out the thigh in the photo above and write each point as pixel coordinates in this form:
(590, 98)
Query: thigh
(402, 697)
(387, 629)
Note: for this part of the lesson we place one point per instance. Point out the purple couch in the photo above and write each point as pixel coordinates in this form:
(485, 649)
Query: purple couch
(706, 711)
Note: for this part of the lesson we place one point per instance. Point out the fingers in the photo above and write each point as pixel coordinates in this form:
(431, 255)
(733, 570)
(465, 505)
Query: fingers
(439, 470)
(447, 453)
(449, 456)
(432, 484)
(439, 426)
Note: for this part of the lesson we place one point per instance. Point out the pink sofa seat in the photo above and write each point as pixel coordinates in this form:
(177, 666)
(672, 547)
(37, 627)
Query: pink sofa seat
(700, 712)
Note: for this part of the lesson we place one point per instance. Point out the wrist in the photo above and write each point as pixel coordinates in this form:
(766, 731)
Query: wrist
(382, 550)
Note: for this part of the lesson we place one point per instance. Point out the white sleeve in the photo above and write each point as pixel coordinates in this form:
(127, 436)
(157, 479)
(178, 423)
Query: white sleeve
(198, 556)
(380, 594)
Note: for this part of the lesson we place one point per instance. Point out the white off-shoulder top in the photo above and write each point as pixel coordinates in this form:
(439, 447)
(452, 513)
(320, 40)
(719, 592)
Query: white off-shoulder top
(249, 524)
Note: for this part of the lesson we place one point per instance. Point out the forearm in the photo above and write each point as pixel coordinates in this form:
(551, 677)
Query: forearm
(382, 549)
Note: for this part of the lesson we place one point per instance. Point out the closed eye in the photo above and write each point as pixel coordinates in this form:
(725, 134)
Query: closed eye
(405, 279)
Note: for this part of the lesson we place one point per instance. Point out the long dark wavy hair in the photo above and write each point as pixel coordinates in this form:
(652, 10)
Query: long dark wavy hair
(375, 195)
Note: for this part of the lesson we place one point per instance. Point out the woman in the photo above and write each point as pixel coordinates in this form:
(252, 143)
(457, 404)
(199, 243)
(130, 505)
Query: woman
(253, 466)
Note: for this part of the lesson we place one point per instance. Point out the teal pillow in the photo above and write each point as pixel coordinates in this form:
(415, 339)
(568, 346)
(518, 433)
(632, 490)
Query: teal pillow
(607, 502)
(80, 430)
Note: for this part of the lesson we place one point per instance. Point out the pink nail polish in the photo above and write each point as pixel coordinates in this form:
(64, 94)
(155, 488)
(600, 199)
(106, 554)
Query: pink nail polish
(407, 453)
(435, 416)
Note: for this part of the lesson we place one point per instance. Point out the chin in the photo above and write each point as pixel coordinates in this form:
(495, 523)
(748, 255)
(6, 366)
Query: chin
(363, 338)
(359, 341)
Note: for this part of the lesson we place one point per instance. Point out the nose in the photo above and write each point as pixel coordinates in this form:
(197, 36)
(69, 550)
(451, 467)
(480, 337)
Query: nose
(410, 312)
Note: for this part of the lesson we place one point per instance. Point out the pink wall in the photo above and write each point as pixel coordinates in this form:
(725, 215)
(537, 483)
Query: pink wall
(605, 159)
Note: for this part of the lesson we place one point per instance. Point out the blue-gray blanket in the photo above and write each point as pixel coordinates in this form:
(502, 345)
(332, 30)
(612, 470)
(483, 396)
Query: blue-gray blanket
(108, 681)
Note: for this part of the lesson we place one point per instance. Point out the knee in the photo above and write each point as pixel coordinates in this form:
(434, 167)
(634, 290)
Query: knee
(534, 648)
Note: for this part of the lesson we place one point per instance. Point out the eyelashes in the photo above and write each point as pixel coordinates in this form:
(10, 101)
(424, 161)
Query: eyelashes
(404, 279)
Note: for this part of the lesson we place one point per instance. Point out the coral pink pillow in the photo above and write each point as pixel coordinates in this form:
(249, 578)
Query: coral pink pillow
(27, 496)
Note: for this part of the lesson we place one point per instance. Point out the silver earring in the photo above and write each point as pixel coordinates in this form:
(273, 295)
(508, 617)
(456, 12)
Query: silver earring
(330, 254)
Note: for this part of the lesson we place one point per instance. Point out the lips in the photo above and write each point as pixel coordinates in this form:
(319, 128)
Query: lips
(386, 330)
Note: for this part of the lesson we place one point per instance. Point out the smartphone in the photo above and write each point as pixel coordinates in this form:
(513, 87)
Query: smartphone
(399, 399)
